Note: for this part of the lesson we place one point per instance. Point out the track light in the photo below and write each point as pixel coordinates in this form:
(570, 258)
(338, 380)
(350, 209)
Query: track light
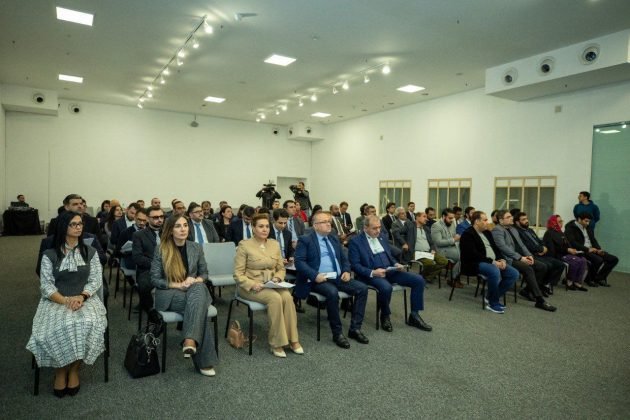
(277, 111)
(386, 69)
(195, 43)
(345, 85)
(366, 78)
(207, 28)
(166, 71)
(263, 116)
(180, 62)
(162, 81)
(140, 105)
(284, 107)
(150, 87)
(300, 103)
(181, 53)
(149, 94)
(335, 90)
(257, 119)
(142, 99)
(313, 98)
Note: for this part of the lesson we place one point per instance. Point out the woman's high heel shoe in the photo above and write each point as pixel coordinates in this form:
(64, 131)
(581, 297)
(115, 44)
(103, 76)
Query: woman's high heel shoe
(73, 391)
(59, 393)
(278, 353)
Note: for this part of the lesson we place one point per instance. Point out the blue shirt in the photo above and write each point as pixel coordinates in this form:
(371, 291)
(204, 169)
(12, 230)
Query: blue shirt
(325, 262)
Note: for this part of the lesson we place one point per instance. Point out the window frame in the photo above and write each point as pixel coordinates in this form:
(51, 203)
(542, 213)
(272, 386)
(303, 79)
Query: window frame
(448, 183)
(401, 184)
(524, 182)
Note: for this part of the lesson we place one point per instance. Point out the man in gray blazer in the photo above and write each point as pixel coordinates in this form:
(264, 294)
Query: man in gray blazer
(296, 225)
(201, 230)
(401, 230)
(507, 239)
(446, 243)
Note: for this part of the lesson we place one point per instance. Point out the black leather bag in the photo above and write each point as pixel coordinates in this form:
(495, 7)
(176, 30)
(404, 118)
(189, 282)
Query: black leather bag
(141, 359)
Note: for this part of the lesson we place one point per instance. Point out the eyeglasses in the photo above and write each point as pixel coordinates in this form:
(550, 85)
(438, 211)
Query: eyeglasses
(197, 211)
(157, 217)
(325, 222)
(75, 224)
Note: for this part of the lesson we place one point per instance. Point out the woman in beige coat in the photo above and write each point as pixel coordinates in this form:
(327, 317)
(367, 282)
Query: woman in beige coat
(258, 260)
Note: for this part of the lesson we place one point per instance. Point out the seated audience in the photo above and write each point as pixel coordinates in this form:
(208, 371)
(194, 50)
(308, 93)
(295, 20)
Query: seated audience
(465, 221)
(241, 228)
(458, 213)
(518, 256)
(411, 211)
(322, 267)
(480, 255)
(338, 227)
(222, 223)
(72, 202)
(102, 215)
(178, 273)
(70, 321)
(258, 260)
(581, 237)
(446, 242)
(142, 253)
(124, 222)
(367, 210)
(389, 219)
(140, 203)
(317, 208)
(115, 213)
(420, 240)
(430, 212)
(401, 233)
(296, 225)
(345, 217)
(206, 207)
(299, 213)
(156, 202)
(140, 222)
(372, 262)
(558, 247)
(537, 248)
(200, 230)
(358, 224)
(280, 233)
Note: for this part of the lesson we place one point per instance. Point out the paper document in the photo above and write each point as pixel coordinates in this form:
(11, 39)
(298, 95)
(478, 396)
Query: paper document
(423, 255)
(126, 247)
(290, 267)
(279, 285)
(332, 275)
(392, 268)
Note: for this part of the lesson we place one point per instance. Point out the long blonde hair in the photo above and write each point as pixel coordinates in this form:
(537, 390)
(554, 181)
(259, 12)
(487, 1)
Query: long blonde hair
(171, 258)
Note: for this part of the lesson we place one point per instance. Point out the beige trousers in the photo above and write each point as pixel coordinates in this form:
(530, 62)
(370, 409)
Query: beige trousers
(280, 313)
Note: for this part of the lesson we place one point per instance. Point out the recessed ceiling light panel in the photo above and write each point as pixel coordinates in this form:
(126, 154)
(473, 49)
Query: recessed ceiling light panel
(410, 88)
(214, 99)
(320, 115)
(74, 16)
(73, 79)
(279, 60)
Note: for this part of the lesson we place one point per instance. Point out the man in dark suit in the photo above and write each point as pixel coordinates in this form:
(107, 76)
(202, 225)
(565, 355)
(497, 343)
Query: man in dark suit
(124, 222)
(140, 222)
(72, 202)
(240, 229)
(581, 237)
(337, 225)
(296, 225)
(323, 268)
(401, 231)
(372, 261)
(142, 252)
(389, 218)
(201, 230)
(411, 211)
(280, 233)
(345, 217)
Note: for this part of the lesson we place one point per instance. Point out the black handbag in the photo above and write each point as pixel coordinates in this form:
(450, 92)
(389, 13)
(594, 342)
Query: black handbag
(141, 359)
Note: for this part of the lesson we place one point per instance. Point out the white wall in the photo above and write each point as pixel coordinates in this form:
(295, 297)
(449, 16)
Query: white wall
(3, 199)
(466, 135)
(109, 151)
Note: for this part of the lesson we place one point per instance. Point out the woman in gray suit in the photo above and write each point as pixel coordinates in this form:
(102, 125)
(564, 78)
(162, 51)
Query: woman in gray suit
(178, 272)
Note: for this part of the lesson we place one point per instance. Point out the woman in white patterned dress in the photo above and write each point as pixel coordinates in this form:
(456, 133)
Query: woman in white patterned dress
(70, 320)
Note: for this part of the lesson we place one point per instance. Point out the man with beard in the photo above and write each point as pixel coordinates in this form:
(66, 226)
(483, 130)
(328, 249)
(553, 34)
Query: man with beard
(142, 251)
(446, 244)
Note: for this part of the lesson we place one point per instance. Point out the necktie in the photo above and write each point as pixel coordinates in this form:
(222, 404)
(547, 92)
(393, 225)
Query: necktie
(249, 232)
(331, 254)
(157, 237)
(280, 240)
(198, 232)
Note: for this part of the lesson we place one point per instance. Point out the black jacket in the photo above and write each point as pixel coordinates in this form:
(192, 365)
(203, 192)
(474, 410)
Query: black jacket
(473, 251)
(576, 239)
(532, 242)
(556, 243)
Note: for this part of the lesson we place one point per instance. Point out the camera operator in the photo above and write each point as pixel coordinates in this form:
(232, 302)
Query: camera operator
(268, 194)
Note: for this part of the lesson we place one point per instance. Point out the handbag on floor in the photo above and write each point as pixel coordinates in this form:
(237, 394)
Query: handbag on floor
(235, 336)
(141, 359)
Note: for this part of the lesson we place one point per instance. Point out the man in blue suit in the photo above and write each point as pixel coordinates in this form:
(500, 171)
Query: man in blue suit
(323, 268)
(240, 229)
(372, 261)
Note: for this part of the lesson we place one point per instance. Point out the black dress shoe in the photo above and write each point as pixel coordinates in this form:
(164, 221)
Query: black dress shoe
(299, 310)
(341, 341)
(418, 322)
(592, 283)
(603, 283)
(386, 324)
(545, 306)
(359, 336)
(59, 393)
(525, 293)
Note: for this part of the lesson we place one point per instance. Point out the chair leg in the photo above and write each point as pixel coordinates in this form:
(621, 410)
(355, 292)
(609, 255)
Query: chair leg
(215, 321)
(453, 291)
(130, 304)
(125, 281)
(164, 350)
(405, 301)
(106, 355)
(483, 294)
(515, 294)
(117, 281)
(227, 324)
(250, 313)
(140, 319)
(319, 314)
(477, 289)
(36, 386)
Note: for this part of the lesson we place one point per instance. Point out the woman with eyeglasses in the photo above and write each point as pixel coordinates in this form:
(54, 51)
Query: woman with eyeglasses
(258, 260)
(70, 320)
(179, 272)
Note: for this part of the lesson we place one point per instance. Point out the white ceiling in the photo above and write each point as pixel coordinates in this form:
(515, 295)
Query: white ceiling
(443, 45)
